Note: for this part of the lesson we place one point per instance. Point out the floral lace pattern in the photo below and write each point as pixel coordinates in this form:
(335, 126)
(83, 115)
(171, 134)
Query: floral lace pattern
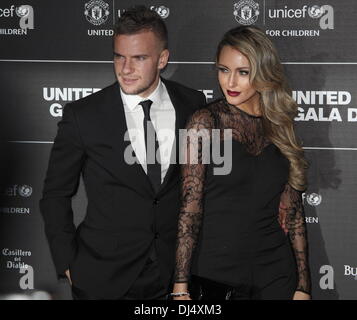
(248, 130)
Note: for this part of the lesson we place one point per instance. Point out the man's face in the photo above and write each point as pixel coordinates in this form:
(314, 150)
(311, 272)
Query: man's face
(138, 59)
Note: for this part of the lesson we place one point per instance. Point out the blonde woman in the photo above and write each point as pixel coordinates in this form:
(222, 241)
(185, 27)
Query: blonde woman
(242, 235)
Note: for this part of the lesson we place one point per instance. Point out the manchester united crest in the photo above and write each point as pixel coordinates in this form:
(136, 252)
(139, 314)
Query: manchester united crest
(96, 12)
(246, 12)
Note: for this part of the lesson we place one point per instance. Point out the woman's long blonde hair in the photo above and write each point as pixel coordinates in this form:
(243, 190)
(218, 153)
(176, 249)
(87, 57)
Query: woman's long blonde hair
(277, 106)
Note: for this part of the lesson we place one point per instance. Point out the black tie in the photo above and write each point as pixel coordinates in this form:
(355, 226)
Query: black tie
(152, 147)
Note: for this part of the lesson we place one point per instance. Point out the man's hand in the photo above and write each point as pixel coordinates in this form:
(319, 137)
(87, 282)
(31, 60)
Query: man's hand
(299, 295)
(68, 276)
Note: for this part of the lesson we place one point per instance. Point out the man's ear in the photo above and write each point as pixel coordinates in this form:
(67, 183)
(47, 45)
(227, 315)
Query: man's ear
(163, 59)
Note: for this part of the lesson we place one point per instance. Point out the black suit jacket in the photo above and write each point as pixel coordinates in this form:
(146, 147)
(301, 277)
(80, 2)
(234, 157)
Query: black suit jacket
(125, 216)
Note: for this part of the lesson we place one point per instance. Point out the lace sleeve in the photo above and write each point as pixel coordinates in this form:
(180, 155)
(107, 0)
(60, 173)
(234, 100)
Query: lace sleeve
(193, 172)
(292, 218)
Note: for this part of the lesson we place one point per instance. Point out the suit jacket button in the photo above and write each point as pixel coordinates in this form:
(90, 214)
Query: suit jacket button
(156, 235)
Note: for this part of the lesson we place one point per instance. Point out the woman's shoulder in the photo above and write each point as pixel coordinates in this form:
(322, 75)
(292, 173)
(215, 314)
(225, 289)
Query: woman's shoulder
(215, 106)
(207, 115)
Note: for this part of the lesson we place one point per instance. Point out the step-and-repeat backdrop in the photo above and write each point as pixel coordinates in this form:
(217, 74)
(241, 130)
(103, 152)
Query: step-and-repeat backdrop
(52, 52)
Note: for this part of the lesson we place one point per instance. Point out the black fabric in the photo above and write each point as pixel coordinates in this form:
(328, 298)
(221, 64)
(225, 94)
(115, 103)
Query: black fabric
(229, 224)
(147, 286)
(125, 216)
(152, 155)
(282, 288)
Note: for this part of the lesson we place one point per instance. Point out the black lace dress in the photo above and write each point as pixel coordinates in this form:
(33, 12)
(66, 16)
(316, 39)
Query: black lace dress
(230, 229)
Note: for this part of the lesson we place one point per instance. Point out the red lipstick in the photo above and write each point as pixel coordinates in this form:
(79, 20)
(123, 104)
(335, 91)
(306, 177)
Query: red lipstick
(233, 93)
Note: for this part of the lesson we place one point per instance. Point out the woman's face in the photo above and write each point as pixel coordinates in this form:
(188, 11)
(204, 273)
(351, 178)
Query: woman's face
(233, 76)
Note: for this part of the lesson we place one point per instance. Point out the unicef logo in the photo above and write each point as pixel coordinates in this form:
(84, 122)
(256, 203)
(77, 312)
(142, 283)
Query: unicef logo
(96, 12)
(162, 11)
(313, 199)
(25, 13)
(246, 12)
(25, 191)
(22, 11)
(315, 12)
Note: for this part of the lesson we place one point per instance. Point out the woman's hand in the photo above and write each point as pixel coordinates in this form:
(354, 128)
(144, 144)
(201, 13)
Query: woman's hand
(182, 298)
(181, 287)
(299, 295)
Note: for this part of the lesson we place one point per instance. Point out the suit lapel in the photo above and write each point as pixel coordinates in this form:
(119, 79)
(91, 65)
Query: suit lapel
(132, 174)
(181, 114)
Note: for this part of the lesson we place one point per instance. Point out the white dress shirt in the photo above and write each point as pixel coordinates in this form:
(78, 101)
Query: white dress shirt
(163, 117)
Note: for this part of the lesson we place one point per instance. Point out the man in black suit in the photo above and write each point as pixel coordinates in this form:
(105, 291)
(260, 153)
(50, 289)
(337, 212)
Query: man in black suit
(125, 247)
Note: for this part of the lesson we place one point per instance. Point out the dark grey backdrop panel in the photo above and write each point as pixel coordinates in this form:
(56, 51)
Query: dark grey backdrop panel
(61, 30)
(42, 91)
(66, 57)
(331, 221)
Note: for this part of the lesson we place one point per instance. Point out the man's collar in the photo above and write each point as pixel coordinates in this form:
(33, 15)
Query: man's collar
(132, 101)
